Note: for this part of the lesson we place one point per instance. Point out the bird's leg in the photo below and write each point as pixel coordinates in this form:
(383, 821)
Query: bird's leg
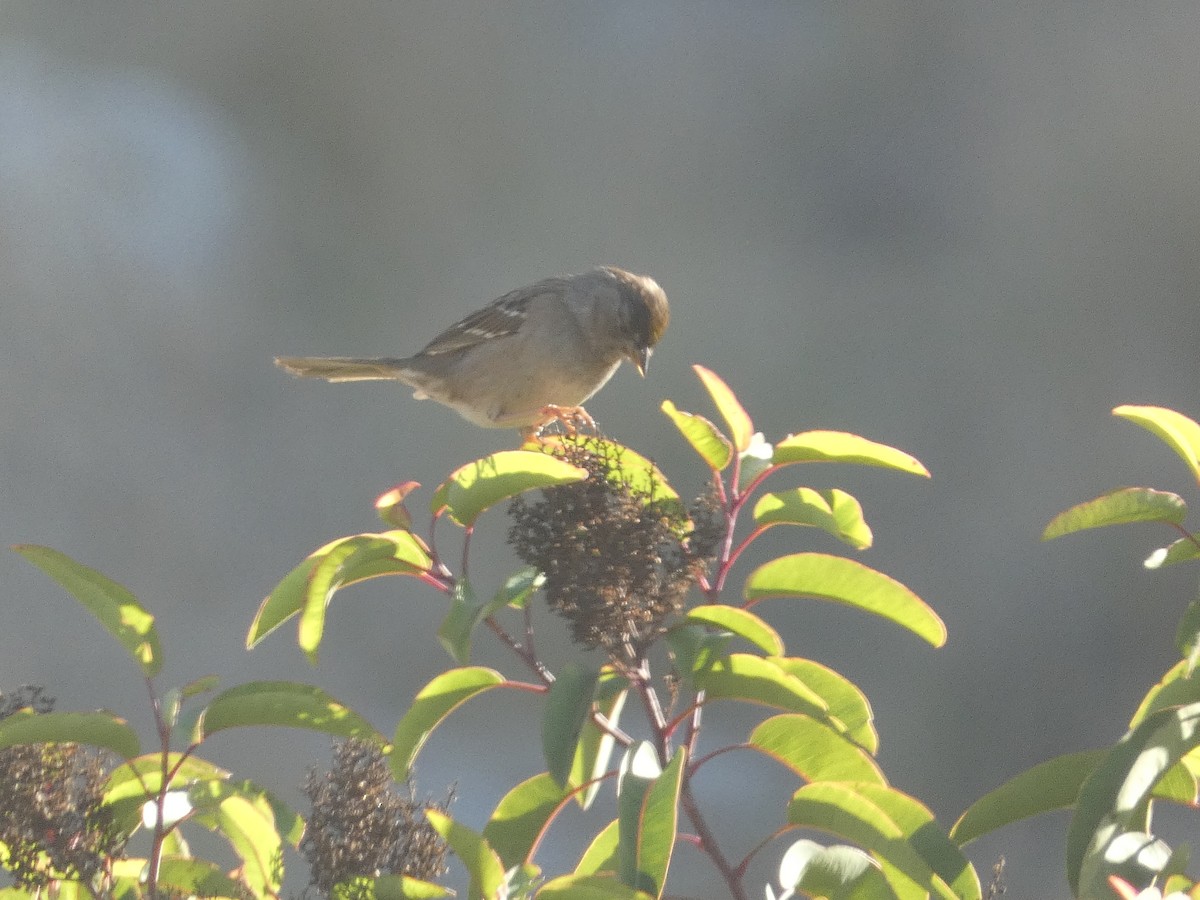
(573, 418)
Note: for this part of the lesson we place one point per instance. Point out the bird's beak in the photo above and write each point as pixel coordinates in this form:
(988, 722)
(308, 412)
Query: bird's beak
(641, 359)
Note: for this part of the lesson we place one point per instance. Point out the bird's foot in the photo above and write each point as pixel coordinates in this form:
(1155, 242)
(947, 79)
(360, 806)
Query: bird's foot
(573, 419)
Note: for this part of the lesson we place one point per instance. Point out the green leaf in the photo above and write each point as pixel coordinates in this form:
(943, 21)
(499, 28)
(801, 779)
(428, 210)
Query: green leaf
(741, 622)
(741, 429)
(433, 703)
(1178, 687)
(624, 466)
(603, 853)
(113, 605)
(897, 830)
(197, 877)
(390, 506)
(712, 446)
(588, 887)
(594, 748)
(833, 578)
(244, 816)
(568, 705)
(388, 887)
(1187, 634)
(286, 704)
(96, 729)
(464, 614)
(1046, 787)
(648, 807)
(482, 863)
(350, 561)
(517, 590)
(848, 706)
(833, 511)
(1183, 550)
(520, 817)
(336, 565)
(839, 872)
(480, 485)
(1118, 508)
(1113, 800)
(132, 783)
(1174, 429)
(741, 676)
(814, 750)
(843, 447)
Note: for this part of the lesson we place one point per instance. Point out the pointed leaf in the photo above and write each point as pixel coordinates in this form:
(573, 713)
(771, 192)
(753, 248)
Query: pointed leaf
(1178, 687)
(1117, 508)
(481, 484)
(712, 446)
(848, 706)
(895, 829)
(464, 614)
(844, 447)
(1182, 550)
(331, 567)
(624, 465)
(433, 703)
(833, 511)
(602, 854)
(520, 817)
(1112, 800)
(243, 816)
(594, 748)
(96, 729)
(131, 784)
(740, 427)
(741, 676)
(113, 605)
(517, 590)
(1174, 429)
(568, 705)
(390, 506)
(839, 872)
(482, 863)
(648, 805)
(588, 887)
(197, 878)
(741, 622)
(286, 704)
(814, 750)
(833, 578)
(1048, 786)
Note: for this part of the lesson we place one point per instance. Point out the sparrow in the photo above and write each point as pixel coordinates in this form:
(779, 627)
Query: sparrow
(531, 357)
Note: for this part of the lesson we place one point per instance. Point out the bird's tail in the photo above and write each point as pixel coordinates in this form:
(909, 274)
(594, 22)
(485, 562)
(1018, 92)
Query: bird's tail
(344, 368)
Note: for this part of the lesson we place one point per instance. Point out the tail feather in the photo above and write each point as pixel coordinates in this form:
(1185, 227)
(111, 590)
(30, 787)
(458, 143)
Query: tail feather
(344, 368)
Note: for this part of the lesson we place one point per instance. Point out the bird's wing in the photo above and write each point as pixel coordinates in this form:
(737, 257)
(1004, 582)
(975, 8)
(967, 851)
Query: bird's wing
(500, 318)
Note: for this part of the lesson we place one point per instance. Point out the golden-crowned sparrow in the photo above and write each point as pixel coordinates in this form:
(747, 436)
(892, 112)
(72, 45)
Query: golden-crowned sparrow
(533, 356)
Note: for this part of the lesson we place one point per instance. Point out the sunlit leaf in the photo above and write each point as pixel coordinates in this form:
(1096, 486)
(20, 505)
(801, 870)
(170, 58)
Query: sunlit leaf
(1048, 786)
(648, 815)
(464, 614)
(833, 578)
(197, 877)
(844, 447)
(1182, 550)
(433, 703)
(1176, 430)
(595, 746)
(286, 704)
(1118, 507)
(243, 815)
(712, 446)
(589, 887)
(568, 704)
(482, 863)
(602, 854)
(741, 429)
(741, 676)
(741, 622)
(390, 506)
(480, 485)
(1111, 801)
(388, 887)
(814, 750)
(897, 830)
(95, 729)
(113, 605)
(623, 466)
(848, 706)
(833, 511)
(840, 872)
(517, 822)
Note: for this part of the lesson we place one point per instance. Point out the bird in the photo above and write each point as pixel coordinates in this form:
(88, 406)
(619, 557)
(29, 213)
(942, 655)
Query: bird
(529, 358)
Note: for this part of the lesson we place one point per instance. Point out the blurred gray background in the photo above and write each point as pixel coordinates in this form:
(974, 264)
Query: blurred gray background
(967, 230)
